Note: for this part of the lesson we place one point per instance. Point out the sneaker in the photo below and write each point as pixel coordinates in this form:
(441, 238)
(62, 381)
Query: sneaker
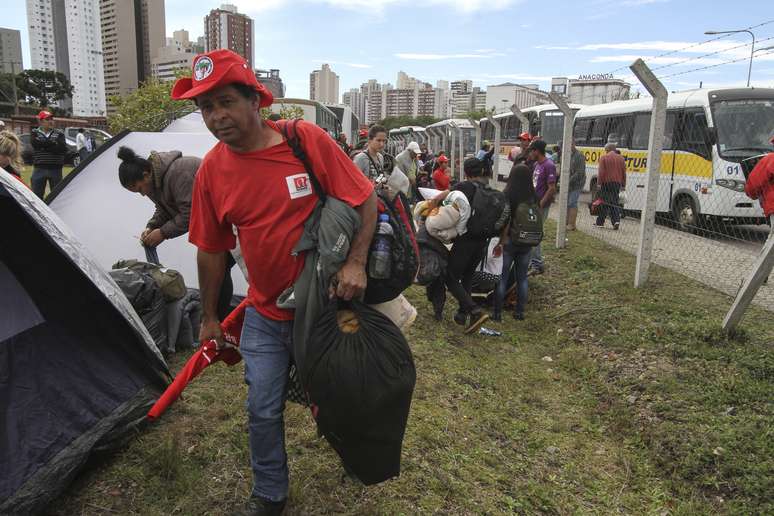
(597, 225)
(616, 226)
(535, 271)
(257, 506)
(461, 318)
(476, 320)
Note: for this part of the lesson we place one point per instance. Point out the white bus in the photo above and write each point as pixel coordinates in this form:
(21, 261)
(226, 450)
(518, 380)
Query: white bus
(350, 123)
(709, 136)
(313, 112)
(398, 138)
(546, 121)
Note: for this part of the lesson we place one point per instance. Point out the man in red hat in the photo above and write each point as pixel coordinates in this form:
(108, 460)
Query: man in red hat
(441, 177)
(252, 181)
(49, 150)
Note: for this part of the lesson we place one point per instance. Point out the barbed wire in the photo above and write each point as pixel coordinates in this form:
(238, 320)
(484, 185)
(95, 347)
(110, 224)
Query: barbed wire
(708, 55)
(694, 45)
(713, 66)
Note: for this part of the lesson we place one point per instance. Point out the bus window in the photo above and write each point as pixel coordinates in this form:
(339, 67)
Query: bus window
(692, 133)
(619, 130)
(552, 126)
(510, 128)
(581, 131)
(487, 131)
(641, 131)
(598, 137)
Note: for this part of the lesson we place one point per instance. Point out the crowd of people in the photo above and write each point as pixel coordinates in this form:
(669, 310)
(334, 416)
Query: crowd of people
(252, 184)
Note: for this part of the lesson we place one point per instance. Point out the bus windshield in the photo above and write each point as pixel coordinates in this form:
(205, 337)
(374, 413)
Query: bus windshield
(745, 127)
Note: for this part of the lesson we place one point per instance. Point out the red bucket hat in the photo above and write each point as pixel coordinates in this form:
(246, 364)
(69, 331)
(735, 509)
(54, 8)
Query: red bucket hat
(443, 159)
(219, 68)
(525, 136)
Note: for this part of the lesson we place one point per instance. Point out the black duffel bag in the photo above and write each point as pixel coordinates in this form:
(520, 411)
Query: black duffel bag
(360, 377)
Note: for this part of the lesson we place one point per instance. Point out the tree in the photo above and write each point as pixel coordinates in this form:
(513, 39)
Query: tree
(478, 114)
(393, 122)
(44, 87)
(286, 112)
(148, 108)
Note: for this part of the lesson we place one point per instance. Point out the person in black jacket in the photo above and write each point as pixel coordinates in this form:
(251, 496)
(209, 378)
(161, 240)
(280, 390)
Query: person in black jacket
(49, 151)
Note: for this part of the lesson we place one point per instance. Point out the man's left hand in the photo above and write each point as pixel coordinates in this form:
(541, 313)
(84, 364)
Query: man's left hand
(350, 282)
(153, 238)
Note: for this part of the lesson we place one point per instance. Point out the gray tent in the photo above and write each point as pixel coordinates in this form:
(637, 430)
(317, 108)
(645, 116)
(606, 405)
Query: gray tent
(78, 371)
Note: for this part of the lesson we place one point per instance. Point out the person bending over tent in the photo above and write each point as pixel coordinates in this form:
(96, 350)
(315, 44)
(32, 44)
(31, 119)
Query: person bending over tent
(167, 179)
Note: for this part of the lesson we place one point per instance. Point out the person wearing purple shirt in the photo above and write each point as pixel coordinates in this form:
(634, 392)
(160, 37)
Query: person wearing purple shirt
(544, 179)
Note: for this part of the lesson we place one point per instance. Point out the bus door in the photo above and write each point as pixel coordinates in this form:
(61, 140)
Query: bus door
(692, 169)
(637, 163)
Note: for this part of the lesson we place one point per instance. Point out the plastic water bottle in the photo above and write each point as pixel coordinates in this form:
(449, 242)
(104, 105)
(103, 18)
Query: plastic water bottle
(381, 261)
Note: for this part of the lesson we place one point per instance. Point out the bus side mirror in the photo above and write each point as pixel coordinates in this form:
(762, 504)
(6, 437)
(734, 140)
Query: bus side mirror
(712, 135)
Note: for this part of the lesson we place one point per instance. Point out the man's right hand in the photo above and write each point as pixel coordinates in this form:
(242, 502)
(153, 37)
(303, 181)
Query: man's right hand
(211, 330)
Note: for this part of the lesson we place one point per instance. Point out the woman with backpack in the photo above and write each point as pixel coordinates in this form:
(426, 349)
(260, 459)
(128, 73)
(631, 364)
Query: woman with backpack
(519, 192)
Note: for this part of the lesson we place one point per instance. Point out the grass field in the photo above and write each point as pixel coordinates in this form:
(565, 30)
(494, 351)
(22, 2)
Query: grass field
(27, 173)
(606, 400)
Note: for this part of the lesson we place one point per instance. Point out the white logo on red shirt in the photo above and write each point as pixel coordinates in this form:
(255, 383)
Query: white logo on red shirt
(299, 185)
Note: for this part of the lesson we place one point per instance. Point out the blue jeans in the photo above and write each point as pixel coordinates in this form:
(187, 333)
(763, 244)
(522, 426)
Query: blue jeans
(266, 347)
(520, 258)
(537, 253)
(572, 199)
(41, 175)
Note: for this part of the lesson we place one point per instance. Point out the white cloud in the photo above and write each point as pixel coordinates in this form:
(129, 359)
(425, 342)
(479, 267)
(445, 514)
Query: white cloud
(630, 58)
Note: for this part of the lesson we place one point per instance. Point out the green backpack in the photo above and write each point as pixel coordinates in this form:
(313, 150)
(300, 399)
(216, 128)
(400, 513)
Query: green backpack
(527, 224)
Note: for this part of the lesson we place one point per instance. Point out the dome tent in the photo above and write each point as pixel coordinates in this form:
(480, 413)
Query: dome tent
(78, 371)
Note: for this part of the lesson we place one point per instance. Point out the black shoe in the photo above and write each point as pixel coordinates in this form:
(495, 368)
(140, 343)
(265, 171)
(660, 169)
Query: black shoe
(519, 316)
(257, 506)
(476, 320)
(616, 226)
(497, 316)
(438, 316)
(460, 318)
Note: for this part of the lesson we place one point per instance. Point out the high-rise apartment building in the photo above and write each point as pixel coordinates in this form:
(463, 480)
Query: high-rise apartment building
(227, 28)
(356, 99)
(133, 31)
(65, 37)
(10, 51)
(464, 103)
(176, 55)
(324, 85)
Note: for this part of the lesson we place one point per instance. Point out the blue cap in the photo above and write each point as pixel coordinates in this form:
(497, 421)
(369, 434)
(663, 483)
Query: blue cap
(383, 217)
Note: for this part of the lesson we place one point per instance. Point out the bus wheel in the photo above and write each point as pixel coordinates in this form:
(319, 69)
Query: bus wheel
(685, 214)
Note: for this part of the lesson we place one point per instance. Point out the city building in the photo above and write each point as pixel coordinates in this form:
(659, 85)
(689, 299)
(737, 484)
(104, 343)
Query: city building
(272, 80)
(501, 97)
(133, 31)
(10, 51)
(65, 37)
(356, 100)
(466, 101)
(591, 89)
(227, 28)
(176, 55)
(441, 101)
(324, 85)
(461, 87)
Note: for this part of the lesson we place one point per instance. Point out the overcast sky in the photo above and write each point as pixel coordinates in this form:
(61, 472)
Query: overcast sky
(489, 41)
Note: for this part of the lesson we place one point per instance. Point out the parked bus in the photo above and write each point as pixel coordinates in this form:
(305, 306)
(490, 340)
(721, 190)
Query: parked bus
(398, 138)
(313, 112)
(350, 123)
(710, 136)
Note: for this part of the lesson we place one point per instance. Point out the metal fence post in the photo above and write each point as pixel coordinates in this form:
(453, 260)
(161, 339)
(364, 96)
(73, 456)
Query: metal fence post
(477, 127)
(520, 117)
(757, 276)
(498, 133)
(655, 145)
(564, 175)
(453, 148)
(461, 143)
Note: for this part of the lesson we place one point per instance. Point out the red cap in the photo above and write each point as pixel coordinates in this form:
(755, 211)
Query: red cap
(219, 68)
(443, 159)
(45, 114)
(363, 133)
(525, 136)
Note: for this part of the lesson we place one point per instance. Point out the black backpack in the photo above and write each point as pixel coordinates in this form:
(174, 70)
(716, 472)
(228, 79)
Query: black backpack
(527, 224)
(490, 212)
(403, 247)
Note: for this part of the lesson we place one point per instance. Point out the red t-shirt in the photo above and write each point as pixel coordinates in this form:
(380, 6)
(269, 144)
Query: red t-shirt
(268, 196)
(441, 180)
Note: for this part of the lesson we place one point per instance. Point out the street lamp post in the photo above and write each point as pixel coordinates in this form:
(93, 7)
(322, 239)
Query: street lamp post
(752, 50)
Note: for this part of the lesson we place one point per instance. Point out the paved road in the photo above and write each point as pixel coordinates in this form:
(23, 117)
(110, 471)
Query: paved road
(720, 260)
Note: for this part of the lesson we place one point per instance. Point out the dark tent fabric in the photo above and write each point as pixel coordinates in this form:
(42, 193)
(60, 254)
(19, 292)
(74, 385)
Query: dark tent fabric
(360, 380)
(78, 371)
